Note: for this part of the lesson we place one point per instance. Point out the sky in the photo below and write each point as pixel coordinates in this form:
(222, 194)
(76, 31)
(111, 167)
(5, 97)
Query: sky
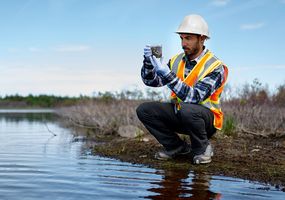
(78, 47)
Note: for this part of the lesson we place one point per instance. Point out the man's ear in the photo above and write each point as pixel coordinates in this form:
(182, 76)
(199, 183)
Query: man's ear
(202, 39)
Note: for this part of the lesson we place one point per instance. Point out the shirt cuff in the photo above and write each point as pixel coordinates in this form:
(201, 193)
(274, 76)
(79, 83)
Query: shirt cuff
(169, 77)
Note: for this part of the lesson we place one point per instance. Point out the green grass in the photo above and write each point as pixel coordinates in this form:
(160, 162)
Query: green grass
(229, 127)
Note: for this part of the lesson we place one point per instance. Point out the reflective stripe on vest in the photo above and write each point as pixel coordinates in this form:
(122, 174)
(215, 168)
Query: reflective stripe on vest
(176, 60)
(205, 66)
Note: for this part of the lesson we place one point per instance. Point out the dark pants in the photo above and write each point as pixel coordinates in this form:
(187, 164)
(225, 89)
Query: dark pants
(164, 124)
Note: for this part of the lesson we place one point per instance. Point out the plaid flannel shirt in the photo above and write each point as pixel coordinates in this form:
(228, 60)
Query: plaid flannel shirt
(196, 94)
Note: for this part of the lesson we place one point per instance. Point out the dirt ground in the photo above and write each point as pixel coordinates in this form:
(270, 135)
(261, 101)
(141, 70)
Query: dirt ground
(243, 156)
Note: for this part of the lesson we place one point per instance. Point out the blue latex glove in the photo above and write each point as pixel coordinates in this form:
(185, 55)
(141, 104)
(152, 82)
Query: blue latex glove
(161, 70)
(147, 51)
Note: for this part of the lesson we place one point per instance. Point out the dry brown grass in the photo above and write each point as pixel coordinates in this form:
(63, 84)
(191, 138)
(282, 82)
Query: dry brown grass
(264, 120)
(253, 111)
(106, 117)
(102, 116)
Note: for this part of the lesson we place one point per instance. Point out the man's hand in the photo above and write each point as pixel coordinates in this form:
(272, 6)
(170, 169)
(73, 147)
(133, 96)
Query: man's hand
(147, 51)
(160, 69)
(156, 62)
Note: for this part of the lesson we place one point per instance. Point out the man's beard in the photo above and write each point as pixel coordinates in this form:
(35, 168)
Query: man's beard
(190, 52)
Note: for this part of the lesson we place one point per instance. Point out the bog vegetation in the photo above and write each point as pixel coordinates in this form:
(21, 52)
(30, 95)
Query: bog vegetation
(251, 109)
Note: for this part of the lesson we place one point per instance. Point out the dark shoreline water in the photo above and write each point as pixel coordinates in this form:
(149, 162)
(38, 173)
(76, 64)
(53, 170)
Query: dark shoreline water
(34, 164)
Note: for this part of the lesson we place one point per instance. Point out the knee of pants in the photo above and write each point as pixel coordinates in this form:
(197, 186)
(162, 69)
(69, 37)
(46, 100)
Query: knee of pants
(142, 110)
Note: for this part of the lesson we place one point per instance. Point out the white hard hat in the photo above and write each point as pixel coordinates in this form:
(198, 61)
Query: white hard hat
(194, 24)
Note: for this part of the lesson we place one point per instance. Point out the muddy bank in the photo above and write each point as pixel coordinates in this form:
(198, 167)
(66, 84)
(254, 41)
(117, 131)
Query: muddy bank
(246, 157)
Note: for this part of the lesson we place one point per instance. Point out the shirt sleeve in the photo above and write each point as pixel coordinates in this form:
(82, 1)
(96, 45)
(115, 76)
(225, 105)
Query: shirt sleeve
(149, 76)
(201, 90)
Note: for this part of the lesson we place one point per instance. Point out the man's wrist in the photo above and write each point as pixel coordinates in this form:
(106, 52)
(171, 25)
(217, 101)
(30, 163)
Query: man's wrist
(169, 77)
(147, 63)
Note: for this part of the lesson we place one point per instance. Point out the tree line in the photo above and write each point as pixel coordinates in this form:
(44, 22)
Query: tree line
(44, 101)
(255, 93)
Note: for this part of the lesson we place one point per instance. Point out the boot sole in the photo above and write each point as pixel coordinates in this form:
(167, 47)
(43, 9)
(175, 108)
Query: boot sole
(197, 162)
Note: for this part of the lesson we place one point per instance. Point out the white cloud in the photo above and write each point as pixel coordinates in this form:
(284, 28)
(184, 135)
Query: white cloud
(34, 49)
(261, 67)
(220, 2)
(60, 81)
(252, 26)
(72, 48)
(13, 50)
(280, 67)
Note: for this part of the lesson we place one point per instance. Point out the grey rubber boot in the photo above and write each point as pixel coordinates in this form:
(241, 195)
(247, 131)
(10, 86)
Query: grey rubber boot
(180, 151)
(204, 158)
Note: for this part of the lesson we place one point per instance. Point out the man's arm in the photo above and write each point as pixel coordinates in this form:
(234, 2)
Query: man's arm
(149, 76)
(201, 90)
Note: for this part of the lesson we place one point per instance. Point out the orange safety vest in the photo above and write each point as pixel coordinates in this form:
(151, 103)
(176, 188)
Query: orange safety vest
(205, 66)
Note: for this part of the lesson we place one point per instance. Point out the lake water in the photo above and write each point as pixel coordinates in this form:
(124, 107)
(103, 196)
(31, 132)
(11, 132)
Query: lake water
(35, 164)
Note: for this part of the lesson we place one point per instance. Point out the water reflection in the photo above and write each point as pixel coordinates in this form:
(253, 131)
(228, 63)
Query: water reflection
(29, 117)
(183, 184)
(36, 164)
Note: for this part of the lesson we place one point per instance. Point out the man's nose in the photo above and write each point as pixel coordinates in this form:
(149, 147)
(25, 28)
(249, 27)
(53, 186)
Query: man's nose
(183, 42)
